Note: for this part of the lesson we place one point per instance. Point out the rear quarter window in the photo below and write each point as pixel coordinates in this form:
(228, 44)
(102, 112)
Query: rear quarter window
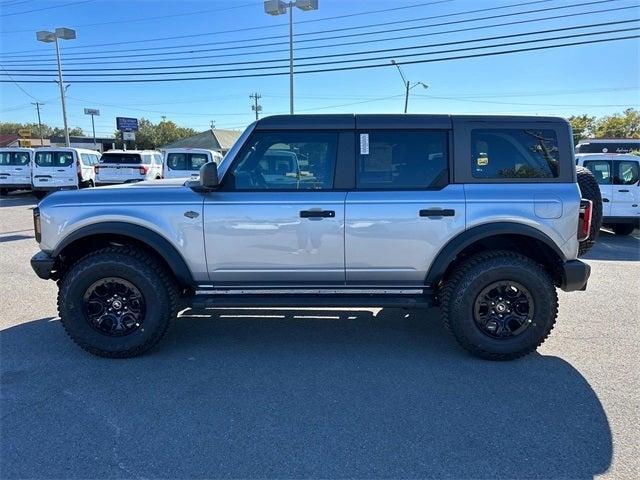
(514, 153)
(121, 158)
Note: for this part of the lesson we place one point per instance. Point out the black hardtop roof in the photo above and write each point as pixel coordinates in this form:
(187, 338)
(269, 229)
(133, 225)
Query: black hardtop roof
(387, 120)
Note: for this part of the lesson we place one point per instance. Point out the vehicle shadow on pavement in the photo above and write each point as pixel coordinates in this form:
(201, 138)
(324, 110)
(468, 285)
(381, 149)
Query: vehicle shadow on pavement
(294, 393)
(615, 247)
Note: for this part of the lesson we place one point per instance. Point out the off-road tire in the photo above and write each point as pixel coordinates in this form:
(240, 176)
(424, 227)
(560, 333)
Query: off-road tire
(4, 192)
(590, 190)
(40, 194)
(154, 282)
(471, 276)
(623, 228)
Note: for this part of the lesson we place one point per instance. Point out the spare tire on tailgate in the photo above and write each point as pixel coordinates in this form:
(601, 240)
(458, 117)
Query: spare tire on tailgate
(590, 190)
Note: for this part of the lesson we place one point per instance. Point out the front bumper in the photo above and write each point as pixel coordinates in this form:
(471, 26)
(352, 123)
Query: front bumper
(575, 275)
(43, 264)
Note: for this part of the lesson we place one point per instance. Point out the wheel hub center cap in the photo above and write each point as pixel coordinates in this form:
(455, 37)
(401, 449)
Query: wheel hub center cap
(117, 304)
(501, 307)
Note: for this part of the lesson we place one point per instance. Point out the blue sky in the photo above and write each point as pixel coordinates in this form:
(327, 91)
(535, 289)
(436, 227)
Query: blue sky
(596, 79)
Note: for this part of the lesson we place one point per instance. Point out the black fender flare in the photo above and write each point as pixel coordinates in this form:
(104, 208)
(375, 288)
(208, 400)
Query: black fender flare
(477, 233)
(155, 241)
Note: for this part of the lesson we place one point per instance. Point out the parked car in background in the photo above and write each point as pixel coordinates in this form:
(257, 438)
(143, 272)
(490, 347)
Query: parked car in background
(186, 162)
(63, 168)
(608, 145)
(15, 169)
(128, 166)
(619, 179)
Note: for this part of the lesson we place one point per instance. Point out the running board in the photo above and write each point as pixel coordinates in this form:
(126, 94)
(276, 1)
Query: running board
(305, 300)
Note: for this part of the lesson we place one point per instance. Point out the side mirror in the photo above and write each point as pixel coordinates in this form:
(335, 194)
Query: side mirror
(209, 176)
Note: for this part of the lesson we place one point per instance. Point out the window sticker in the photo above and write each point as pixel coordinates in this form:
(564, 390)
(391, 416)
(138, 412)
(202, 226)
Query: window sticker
(364, 144)
(482, 160)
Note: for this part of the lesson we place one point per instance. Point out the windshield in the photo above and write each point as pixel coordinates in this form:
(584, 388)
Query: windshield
(14, 158)
(119, 158)
(54, 159)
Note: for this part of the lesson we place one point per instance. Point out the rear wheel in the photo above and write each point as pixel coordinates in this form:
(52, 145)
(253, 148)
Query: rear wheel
(499, 305)
(623, 228)
(590, 190)
(117, 302)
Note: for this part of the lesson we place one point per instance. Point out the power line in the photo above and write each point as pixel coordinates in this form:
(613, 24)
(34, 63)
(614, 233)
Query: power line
(45, 8)
(218, 43)
(367, 52)
(357, 67)
(16, 84)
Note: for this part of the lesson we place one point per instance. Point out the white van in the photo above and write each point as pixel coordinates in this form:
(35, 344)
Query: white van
(63, 168)
(15, 169)
(619, 180)
(128, 166)
(186, 162)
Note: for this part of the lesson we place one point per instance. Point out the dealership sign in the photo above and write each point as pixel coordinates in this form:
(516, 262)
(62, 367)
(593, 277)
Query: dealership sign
(125, 124)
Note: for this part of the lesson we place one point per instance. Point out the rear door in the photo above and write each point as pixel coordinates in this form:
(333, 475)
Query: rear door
(54, 169)
(626, 192)
(15, 168)
(403, 210)
(121, 167)
(603, 172)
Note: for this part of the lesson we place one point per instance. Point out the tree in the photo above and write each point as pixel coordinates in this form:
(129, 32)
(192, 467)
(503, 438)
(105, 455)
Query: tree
(73, 132)
(583, 126)
(10, 127)
(619, 125)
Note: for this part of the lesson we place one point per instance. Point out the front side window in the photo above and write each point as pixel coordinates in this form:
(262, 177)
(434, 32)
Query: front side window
(504, 153)
(54, 159)
(14, 158)
(627, 173)
(601, 169)
(409, 160)
(286, 160)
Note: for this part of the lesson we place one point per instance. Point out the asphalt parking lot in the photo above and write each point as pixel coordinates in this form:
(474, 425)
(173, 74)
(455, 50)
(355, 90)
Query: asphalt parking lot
(319, 393)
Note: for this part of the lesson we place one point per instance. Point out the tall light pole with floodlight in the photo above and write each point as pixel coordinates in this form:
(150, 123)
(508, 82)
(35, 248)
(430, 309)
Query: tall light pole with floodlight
(278, 7)
(407, 85)
(49, 37)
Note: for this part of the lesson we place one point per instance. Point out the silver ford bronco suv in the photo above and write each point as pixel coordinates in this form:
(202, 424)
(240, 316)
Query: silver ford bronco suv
(479, 215)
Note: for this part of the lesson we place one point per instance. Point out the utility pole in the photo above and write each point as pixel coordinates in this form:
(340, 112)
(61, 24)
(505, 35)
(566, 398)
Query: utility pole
(213, 124)
(37, 104)
(256, 107)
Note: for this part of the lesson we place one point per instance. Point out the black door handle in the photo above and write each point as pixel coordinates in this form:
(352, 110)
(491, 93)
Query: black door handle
(623, 191)
(317, 214)
(437, 212)
(605, 200)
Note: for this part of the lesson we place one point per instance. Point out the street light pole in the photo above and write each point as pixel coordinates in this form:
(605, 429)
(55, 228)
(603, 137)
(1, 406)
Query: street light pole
(407, 85)
(62, 99)
(49, 37)
(279, 7)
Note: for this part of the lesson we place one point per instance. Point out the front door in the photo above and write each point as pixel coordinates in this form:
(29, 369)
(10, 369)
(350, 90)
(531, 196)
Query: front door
(626, 192)
(276, 220)
(403, 211)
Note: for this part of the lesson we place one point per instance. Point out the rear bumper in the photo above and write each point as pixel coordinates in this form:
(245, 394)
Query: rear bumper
(21, 186)
(53, 188)
(113, 182)
(42, 263)
(575, 275)
(633, 220)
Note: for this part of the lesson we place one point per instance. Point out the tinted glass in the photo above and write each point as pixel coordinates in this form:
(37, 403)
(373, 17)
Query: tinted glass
(86, 159)
(186, 161)
(601, 169)
(402, 160)
(287, 160)
(14, 158)
(608, 147)
(198, 160)
(54, 159)
(119, 158)
(627, 173)
(514, 153)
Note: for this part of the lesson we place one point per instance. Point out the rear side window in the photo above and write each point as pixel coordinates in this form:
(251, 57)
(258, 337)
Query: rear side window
(514, 153)
(627, 173)
(121, 158)
(14, 158)
(402, 160)
(601, 169)
(54, 159)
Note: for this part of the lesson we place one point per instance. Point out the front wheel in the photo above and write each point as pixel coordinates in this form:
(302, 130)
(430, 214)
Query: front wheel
(117, 302)
(623, 228)
(499, 305)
